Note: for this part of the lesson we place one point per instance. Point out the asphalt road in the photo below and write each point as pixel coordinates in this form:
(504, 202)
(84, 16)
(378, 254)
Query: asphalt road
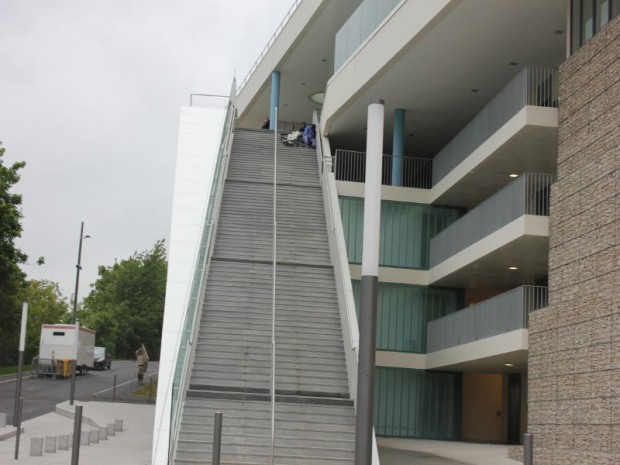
(42, 394)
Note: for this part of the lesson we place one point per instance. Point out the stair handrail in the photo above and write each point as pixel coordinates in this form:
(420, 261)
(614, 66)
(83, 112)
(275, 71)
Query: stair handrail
(339, 258)
(193, 314)
(273, 309)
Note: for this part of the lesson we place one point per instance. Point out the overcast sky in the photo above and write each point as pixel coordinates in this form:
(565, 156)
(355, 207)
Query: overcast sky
(90, 92)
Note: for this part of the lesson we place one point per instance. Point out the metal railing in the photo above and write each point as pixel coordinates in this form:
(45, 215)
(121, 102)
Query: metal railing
(526, 195)
(534, 85)
(273, 296)
(270, 42)
(196, 295)
(349, 165)
(498, 315)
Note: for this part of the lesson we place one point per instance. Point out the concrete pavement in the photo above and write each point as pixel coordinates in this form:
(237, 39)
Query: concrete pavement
(396, 451)
(132, 446)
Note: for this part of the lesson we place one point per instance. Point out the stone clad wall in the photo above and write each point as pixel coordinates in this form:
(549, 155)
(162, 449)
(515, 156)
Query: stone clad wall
(574, 355)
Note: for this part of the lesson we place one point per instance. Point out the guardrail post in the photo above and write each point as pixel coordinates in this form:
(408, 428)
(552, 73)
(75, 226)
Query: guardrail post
(114, 390)
(217, 438)
(528, 449)
(77, 431)
(20, 406)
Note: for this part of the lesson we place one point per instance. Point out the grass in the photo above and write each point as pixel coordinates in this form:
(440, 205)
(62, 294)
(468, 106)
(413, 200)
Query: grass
(143, 390)
(13, 369)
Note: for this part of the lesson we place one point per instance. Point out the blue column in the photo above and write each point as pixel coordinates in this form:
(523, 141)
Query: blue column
(275, 99)
(398, 147)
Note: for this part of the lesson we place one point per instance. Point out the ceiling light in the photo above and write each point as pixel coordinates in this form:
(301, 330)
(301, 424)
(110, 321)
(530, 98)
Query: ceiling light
(513, 175)
(508, 364)
(318, 97)
(513, 268)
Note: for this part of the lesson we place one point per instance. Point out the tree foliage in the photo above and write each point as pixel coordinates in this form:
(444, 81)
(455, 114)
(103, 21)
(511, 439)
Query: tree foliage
(12, 279)
(126, 303)
(46, 305)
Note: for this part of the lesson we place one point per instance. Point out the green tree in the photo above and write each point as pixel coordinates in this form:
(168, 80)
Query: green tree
(12, 279)
(46, 305)
(126, 303)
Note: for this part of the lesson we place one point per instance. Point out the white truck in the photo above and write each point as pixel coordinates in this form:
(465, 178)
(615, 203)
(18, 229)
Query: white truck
(62, 343)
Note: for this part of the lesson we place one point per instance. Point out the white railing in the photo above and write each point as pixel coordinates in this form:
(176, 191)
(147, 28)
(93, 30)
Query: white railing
(270, 42)
(338, 253)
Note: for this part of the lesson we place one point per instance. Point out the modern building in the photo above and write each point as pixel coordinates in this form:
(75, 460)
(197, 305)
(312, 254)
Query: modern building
(498, 310)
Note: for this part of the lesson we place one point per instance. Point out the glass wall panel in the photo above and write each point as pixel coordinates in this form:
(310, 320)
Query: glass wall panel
(588, 17)
(602, 13)
(360, 25)
(403, 312)
(587, 20)
(417, 404)
(406, 231)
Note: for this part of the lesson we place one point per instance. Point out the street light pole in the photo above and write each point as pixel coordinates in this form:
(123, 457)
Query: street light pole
(75, 300)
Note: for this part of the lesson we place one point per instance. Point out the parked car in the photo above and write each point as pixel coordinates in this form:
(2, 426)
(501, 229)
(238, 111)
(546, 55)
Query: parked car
(103, 358)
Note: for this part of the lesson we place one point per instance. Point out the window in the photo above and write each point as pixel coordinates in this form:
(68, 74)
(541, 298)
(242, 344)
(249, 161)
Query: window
(588, 17)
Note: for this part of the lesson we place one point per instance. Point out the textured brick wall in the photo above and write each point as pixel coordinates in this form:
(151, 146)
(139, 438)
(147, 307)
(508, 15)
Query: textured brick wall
(574, 359)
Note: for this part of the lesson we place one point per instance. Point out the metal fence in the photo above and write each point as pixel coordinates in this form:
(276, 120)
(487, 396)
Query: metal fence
(500, 314)
(270, 42)
(526, 195)
(535, 85)
(349, 165)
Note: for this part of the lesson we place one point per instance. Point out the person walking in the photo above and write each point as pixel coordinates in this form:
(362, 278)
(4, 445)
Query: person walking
(142, 359)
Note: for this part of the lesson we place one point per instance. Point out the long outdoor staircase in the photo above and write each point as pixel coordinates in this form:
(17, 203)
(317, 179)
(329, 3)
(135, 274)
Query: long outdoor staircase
(314, 416)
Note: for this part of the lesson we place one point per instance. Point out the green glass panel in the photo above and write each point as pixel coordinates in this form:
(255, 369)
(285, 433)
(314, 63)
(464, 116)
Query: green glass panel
(417, 404)
(404, 310)
(406, 231)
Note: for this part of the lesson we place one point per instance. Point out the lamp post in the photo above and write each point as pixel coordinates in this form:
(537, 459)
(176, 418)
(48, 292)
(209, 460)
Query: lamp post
(75, 300)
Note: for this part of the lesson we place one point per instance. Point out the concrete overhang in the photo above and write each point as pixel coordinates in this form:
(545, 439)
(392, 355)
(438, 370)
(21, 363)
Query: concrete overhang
(523, 243)
(504, 353)
(442, 61)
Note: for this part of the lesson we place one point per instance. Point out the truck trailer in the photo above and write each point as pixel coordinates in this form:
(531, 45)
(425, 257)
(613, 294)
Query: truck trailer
(60, 344)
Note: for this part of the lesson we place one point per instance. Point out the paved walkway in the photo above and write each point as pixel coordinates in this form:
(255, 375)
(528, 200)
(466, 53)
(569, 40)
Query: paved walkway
(132, 446)
(394, 451)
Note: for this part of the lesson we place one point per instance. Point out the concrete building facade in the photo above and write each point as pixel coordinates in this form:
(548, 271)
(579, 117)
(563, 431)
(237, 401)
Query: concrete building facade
(498, 308)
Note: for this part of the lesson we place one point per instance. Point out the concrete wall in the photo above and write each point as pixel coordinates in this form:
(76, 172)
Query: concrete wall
(574, 358)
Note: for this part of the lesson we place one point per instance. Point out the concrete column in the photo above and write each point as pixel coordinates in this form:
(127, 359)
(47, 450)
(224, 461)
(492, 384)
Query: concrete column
(398, 147)
(370, 273)
(275, 99)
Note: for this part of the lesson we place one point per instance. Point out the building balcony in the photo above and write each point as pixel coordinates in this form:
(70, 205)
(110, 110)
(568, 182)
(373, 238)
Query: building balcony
(490, 335)
(514, 133)
(501, 243)
(349, 165)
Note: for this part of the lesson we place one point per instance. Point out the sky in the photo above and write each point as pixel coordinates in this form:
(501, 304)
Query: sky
(90, 93)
